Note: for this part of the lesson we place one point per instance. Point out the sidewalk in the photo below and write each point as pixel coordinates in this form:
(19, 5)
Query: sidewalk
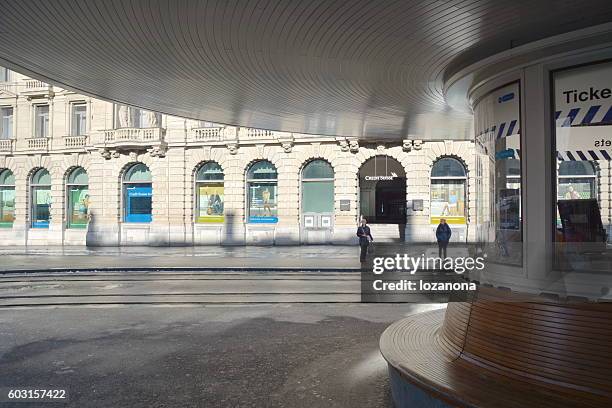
(311, 257)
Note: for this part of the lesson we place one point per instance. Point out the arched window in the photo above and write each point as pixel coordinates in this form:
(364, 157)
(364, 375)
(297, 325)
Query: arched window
(7, 198)
(577, 180)
(137, 194)
(77, 194)
(40, 193)
(261, 193)
(209, 193)
(448, 185)
(317, 194)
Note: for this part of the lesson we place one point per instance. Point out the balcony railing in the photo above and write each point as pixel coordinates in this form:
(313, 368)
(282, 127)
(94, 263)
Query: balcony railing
(251, 133)
(71, 142)
(38, 143)
(34, 86)
(207, 134)
(136, 136)
(8, 86)
(6, 145)
(34, 83)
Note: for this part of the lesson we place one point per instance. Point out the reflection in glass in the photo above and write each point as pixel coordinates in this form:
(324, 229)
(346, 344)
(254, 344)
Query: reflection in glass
(498, 175)
(583, 142)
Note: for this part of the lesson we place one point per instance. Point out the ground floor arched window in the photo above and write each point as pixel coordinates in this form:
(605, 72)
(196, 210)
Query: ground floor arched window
(137, 194)
(77, 194)
(40, 194)
(209, 193)
(317, 194)
(448, 191)
(262, 183)
(7, 198)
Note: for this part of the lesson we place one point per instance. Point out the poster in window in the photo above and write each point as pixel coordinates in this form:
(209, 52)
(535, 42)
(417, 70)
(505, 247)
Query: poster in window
(7, 207)
(448, 202)
(262, 203)
(79, 211)
(139, 204)
(210, 204)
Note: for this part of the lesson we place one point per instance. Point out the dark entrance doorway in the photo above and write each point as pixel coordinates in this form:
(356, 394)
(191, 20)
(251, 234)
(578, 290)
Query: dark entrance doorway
(382, 186)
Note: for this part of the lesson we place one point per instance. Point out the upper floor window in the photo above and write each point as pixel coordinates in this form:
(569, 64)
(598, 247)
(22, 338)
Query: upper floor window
(41, 121)
(79, 119)
(131, 117)
(5, 75)
(6, 123)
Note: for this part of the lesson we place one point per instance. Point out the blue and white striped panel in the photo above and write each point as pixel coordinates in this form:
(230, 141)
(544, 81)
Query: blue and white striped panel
(579, 155)
(501, 130)
(592, 115)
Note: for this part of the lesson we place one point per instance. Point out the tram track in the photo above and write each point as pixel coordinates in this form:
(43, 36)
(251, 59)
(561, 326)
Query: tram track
(99, 288)
(89, 288)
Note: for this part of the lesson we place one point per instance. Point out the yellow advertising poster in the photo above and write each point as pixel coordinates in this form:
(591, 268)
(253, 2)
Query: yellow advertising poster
(448, 202)
(210, 204)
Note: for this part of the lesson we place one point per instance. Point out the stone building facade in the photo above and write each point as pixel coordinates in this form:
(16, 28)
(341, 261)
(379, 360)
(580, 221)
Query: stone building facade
(52, 135)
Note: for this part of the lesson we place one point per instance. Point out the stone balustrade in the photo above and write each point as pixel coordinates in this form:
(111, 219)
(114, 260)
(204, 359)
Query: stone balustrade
(251, 133)
(133, 135)
(207, 134)
(38, 143)
(75, 141)
(34, 85)
(8, 87)
(6, 146)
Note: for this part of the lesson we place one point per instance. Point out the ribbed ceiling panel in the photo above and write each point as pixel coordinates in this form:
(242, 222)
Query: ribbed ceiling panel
(359, 68)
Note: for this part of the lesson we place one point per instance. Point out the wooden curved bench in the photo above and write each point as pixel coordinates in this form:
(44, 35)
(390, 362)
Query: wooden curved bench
(504, 350)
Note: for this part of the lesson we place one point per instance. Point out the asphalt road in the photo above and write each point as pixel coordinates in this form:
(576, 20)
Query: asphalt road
(181, 339)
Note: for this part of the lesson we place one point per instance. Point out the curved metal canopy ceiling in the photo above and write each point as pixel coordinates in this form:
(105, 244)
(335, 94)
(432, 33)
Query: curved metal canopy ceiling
(364, 68)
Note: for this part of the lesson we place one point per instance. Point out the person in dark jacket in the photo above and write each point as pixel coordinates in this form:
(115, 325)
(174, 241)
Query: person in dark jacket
(365, 237)
(443, 235)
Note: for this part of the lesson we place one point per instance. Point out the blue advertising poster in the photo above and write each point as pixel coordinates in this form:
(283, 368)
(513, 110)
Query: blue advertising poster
(138, 204)
(262, 203)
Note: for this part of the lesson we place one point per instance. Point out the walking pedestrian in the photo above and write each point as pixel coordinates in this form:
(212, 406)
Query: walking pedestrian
(443, 235)
(365, 237)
